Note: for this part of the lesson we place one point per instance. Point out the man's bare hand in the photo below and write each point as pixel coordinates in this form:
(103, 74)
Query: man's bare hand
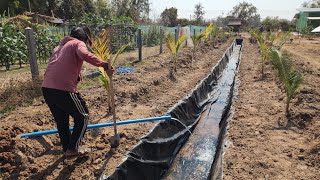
(109, 71)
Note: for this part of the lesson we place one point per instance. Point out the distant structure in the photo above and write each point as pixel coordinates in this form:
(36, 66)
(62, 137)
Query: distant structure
(42, 19)
(307, 17)
(234, 24)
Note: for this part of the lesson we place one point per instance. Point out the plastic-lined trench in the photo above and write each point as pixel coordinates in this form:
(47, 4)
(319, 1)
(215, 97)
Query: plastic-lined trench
(208, 104)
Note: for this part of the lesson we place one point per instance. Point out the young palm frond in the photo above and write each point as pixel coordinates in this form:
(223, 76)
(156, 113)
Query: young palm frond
(289, 77)
(214, 31)
(264, 53)
(263, 48)
(174, 47)
(196, 41)
(208, 32)
(283, 38)
(270, 37)
(101, 48)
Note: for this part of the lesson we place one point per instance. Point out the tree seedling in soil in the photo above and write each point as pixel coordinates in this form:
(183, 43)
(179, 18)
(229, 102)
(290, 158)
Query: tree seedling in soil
(208, 32)
(289, 77)
(101, 48)
(264, 49)
(174, 47)
(283, 38)
(196, 41)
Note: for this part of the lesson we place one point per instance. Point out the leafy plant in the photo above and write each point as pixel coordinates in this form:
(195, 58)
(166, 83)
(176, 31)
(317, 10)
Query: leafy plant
(263, 48)
(45, 43)
(196, 41)
(290, 78)
(101, 48)
(283, 38)
(152, 36)
(208, 32)
(174, 47)
(13, 45)
(13, 49)
(271, 37)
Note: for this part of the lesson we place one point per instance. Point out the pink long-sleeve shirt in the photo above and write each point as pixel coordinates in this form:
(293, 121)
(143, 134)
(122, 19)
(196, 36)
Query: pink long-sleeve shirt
(65, 64)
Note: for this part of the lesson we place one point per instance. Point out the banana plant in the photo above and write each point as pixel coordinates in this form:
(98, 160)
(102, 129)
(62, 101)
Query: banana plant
(196, 41)
(289, 77)
(174, 47)
(101, 48)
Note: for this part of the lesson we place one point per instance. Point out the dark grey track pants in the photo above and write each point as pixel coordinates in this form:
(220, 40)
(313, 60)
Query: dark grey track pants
(63, 104)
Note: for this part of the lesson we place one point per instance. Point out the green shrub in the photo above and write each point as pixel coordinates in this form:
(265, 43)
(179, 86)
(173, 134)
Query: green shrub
(152, 36)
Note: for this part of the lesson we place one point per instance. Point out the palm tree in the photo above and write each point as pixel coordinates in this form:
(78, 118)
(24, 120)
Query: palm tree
(290, 78)
(196, 41)
(101, 48)
(208, 32)
(174, 47)
(263, 48)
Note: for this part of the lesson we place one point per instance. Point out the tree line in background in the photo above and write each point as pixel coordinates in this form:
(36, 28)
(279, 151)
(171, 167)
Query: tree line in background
(312, 4)
(70, 9)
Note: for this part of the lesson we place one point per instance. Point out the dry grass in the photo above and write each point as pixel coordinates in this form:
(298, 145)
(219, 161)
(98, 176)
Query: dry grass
(19, 94)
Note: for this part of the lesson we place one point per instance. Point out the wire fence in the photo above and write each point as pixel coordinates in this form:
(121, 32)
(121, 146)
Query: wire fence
(14, 49)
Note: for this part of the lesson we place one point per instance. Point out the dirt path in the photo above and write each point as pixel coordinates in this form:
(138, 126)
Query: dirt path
(262, 145)
(145, 93)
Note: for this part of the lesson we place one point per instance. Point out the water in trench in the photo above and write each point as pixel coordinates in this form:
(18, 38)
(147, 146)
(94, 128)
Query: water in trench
(196, 159)
(169, 150)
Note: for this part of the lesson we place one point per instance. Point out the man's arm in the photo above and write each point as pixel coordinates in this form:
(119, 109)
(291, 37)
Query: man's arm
(87, 56)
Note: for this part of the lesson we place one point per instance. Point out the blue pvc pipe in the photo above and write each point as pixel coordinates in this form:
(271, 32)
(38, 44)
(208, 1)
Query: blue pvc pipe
(93, 126)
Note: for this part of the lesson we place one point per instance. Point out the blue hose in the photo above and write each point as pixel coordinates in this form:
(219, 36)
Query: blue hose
(93, 126)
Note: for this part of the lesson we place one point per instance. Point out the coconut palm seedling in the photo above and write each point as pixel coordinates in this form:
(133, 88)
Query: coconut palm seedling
(263, 48)
(289, 77)
(208, 32)
(271, 37)
(174, 47)
(215, 32)
(196, 41)
(283, 38)
(101, 48)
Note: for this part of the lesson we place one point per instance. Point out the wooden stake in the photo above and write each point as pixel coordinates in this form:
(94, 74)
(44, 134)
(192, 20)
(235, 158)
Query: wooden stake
(161, 39)
(32, 53)
(112, 100)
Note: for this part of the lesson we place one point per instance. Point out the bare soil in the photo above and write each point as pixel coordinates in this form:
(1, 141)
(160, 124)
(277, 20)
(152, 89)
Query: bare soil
(262, 142)
(145, 93)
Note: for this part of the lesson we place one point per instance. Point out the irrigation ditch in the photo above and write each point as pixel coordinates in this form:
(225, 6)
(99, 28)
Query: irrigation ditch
(168, 151)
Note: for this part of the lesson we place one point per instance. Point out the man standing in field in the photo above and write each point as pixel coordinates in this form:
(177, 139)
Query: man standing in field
(60, 88)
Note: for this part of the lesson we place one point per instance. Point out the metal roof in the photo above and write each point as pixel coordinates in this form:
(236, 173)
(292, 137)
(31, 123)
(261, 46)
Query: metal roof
(316, 30)
(314, 18)
(234, 23)
(309, 9)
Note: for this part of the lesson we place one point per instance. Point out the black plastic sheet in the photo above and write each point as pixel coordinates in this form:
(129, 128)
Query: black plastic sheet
(152, 156)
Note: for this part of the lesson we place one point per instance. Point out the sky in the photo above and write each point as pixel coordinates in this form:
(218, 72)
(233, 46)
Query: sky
(285, 9)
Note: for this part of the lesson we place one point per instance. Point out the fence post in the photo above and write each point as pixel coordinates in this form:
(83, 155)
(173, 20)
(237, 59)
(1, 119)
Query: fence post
(31, 43)
(140, 44)
(175, 35)
(161, 37)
